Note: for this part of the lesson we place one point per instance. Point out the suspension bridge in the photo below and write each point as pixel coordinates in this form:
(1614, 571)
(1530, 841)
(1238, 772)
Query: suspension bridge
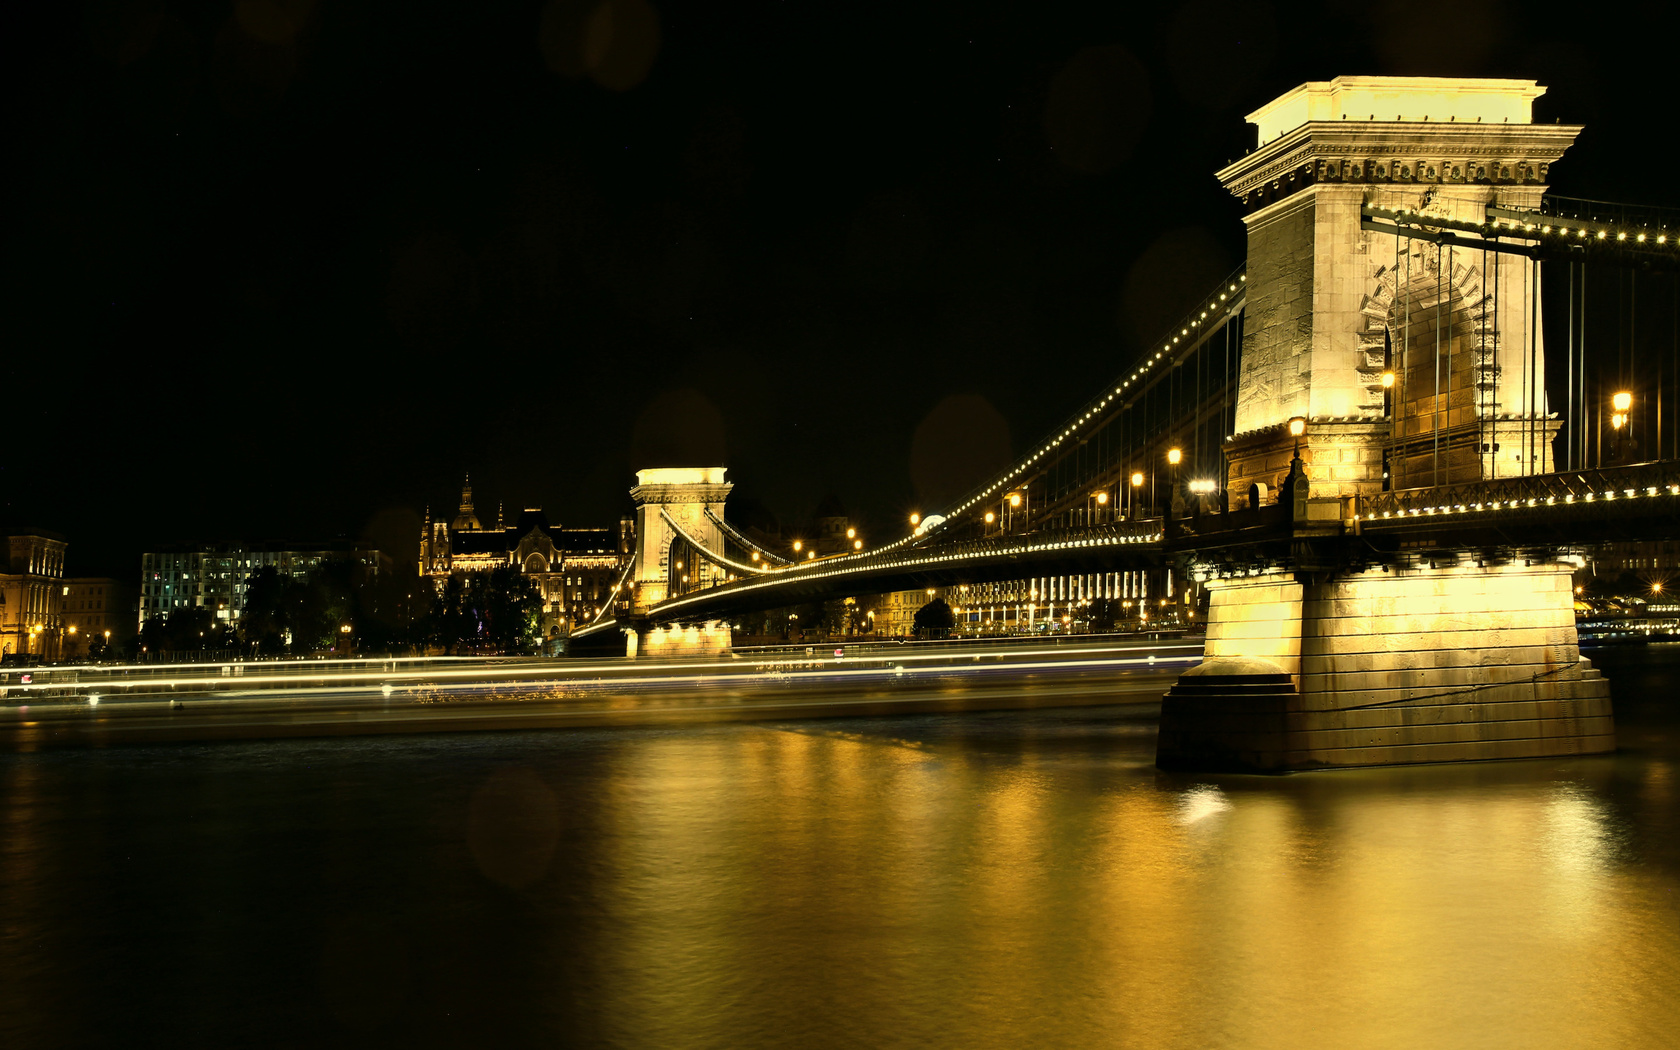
(1362, 443)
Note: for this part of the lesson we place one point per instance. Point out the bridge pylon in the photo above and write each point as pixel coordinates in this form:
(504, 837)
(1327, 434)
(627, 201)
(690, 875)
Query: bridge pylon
(1324, 648)
(1334, 306)
(673, 503)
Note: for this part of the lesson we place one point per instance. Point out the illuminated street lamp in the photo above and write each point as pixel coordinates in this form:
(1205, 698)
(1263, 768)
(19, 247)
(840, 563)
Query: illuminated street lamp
(915, 519)
(1137, 483)
(1621, 401)
(1014, 501)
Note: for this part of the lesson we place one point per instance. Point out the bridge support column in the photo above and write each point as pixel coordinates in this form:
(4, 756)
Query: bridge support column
(678, 639)
(1427, 663)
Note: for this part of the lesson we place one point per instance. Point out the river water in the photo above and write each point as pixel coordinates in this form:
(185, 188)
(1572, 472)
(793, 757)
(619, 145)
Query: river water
(983, 880)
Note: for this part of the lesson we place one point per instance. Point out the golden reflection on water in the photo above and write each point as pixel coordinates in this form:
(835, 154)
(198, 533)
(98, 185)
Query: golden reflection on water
(825, 886)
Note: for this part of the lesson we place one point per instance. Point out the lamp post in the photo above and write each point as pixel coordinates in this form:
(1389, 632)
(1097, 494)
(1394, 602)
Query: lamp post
(1137, 483)
(1297, 470)
(1102, 501)
(1621, 401)
(1175, 456)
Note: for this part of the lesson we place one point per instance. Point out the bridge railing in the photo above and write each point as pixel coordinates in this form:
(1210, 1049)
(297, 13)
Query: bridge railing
(933, 555)
(1633, 481)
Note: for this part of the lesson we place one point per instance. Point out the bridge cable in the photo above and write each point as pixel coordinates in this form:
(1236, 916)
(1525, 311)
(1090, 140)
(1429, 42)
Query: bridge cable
(735, 534)
(714, 558)
(1435, 436)
(612, 598)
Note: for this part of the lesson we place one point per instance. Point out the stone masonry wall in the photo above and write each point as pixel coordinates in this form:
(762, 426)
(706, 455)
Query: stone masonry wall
(1256, 617)
(1452, 663)
(1277, 322)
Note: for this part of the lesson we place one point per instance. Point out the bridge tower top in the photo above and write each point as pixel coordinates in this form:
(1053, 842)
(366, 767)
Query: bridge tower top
(1333, 307)
(1437, 99)
(673, 506)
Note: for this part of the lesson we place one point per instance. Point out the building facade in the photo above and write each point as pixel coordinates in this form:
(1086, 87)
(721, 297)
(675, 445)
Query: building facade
(574, 570)
(1045, 604)
(32, 595)
(94, 610)
(215, 576)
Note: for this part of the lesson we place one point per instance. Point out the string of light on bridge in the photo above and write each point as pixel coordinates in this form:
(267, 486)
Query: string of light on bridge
(1210, 309)
(1559, 226)
(1516, 504)
(874, 561)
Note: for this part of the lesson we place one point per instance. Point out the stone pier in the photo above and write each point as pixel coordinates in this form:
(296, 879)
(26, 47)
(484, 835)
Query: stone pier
(1427, 663)
(678, 639)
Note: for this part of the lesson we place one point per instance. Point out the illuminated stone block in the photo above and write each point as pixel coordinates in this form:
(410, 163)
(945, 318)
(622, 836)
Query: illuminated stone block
(679, 640)
(1456, 663)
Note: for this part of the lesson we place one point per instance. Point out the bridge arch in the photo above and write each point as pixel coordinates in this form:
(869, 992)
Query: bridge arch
(1464, 404)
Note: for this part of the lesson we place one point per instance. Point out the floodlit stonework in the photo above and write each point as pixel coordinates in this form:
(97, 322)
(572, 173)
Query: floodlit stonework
(1421, 664)
(677, 515)
(1333, 306)
(1323, 653)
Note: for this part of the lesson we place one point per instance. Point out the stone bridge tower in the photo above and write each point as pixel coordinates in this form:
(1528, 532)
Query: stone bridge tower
(1417, 655)
(1332, 307)
(676, 505)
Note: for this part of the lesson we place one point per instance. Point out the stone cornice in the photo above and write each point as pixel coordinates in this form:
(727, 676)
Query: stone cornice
(1388, 152)
(681, 493)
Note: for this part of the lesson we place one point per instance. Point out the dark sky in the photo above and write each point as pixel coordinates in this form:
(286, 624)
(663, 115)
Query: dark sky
(281, 268)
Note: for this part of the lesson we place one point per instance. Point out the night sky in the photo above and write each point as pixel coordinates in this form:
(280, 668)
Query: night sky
(286, 270)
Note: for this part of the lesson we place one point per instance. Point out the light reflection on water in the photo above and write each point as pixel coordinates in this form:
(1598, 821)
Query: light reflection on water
(979, 881)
